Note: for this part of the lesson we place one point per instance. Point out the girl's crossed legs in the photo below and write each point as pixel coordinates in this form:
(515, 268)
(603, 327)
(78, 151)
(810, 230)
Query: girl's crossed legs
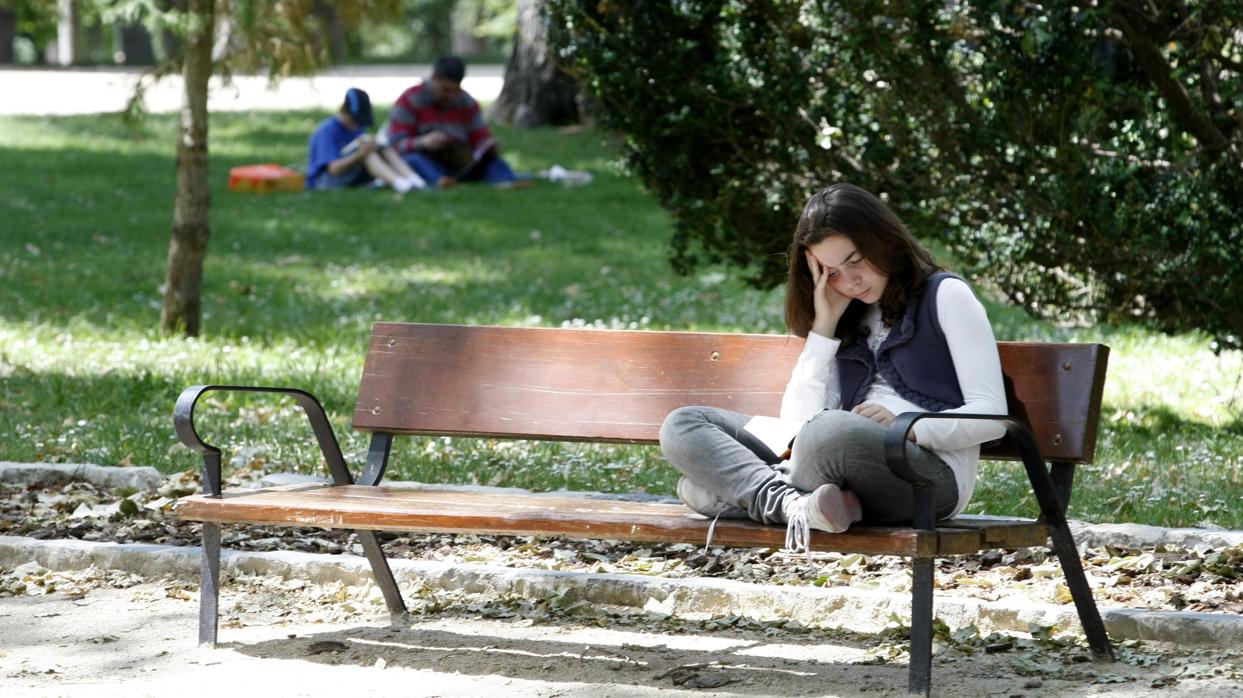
(710, 447)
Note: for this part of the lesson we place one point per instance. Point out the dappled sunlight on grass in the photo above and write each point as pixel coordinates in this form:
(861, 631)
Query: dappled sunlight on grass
(1181, 373)
(100, 133)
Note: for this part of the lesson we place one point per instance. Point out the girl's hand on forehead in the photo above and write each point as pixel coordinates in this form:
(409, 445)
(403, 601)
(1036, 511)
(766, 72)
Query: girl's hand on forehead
(814, 265)
(829, 304)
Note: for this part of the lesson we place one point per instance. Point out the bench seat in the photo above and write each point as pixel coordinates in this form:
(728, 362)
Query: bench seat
(396, 509)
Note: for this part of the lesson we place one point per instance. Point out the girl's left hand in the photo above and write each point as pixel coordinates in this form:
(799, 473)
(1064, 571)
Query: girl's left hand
(880, 415)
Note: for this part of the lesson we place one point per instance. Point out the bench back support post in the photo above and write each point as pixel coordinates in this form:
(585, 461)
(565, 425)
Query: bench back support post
(383, 573)
(1053, 501)
(1063, 476)
(377, 458)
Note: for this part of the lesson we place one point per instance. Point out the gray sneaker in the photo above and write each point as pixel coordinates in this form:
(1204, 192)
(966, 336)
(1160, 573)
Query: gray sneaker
(707, 503)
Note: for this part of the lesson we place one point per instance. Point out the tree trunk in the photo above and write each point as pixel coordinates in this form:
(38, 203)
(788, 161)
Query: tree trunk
(335, 33)
(536, 91)
(8, 29)
(68, 37)
(134, 44)
(184, 283)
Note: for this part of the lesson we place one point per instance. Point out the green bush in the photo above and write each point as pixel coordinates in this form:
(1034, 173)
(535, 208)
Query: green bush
(1087, 159)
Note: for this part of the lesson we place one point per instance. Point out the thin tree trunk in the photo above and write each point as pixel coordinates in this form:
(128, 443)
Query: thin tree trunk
(184, 283)
(335, 33)
(8, 29)
(536, 91)
(68, 33)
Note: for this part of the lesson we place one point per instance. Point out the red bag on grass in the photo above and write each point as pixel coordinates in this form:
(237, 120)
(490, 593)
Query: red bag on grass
(261, 179)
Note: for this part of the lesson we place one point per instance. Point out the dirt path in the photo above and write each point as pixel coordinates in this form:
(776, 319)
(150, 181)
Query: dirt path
(53, 91)
(111, 633)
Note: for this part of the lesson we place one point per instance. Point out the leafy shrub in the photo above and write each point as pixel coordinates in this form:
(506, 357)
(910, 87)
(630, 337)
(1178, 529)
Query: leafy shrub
(1087, 159)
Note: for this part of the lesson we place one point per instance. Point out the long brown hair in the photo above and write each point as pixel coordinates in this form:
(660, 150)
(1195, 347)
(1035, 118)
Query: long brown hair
(879, 236)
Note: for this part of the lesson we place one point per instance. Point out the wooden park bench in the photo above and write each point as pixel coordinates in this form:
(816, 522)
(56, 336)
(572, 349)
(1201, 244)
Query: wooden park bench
(617, 386)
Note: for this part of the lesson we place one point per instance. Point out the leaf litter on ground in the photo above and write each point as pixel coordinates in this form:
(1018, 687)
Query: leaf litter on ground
(1163, 578)
(1167, 578)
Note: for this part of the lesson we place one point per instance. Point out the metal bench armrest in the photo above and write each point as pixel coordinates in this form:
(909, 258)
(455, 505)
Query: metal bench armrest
(1051, 506)
(183, 422)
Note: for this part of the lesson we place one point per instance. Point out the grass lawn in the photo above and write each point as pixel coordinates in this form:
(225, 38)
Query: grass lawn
(293, 283)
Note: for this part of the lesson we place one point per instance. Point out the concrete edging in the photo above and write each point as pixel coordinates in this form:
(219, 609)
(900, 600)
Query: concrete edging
(1129, 535)
(54, 474)
(834, 607)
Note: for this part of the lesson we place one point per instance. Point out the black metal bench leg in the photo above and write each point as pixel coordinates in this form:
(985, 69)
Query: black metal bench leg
(383, 574)
(1080, 592)
(920, 680)
(209, 585)
(1052, 492)
(1052, 508)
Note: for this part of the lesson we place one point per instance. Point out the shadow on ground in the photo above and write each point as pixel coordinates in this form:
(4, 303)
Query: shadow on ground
(596, 656)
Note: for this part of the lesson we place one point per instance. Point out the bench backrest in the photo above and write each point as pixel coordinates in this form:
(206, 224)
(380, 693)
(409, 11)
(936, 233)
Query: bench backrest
(617, 386)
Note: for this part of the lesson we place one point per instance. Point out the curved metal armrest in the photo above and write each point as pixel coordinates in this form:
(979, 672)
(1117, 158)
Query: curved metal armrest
(1052, 507)
(183, 422)
(896, 440)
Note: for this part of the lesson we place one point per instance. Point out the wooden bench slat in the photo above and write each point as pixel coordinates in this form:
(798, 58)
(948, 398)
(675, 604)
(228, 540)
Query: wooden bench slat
(362, 507)
(618, 386)
(561, 384)
(1004, 533)
(1057, 389)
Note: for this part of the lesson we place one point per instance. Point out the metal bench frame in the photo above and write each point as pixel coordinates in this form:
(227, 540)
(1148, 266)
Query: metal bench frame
(1051, 484)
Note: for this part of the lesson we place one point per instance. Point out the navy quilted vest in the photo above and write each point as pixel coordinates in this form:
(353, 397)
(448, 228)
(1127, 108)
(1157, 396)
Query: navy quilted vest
(914, 358)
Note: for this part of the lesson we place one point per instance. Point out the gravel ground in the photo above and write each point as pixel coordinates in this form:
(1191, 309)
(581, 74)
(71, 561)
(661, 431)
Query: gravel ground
(97, 632)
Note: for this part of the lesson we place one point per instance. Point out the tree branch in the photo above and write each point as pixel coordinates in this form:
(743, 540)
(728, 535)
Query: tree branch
(1156, 69)
(1100, 151)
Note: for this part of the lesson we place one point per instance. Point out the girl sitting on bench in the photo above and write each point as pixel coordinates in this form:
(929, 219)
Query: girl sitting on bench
(887, 331)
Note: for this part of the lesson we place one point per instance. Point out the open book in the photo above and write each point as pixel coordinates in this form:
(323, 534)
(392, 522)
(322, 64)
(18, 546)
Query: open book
(776, 433)
(480, 156)
(353, 146)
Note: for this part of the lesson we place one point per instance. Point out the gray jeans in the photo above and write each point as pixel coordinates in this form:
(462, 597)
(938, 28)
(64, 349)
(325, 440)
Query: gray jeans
(710, 447)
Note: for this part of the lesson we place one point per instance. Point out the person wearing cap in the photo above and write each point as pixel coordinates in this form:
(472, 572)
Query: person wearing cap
(438, 129)
(342, 154)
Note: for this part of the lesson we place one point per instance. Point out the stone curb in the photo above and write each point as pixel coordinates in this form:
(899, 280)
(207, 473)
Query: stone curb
(837, 607)
(52, 474)
(1140, 536)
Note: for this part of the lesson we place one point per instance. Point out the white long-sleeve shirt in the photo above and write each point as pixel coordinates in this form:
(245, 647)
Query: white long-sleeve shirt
(815, 386)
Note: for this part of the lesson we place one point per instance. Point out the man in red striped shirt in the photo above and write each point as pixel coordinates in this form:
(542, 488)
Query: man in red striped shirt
(438, 129)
